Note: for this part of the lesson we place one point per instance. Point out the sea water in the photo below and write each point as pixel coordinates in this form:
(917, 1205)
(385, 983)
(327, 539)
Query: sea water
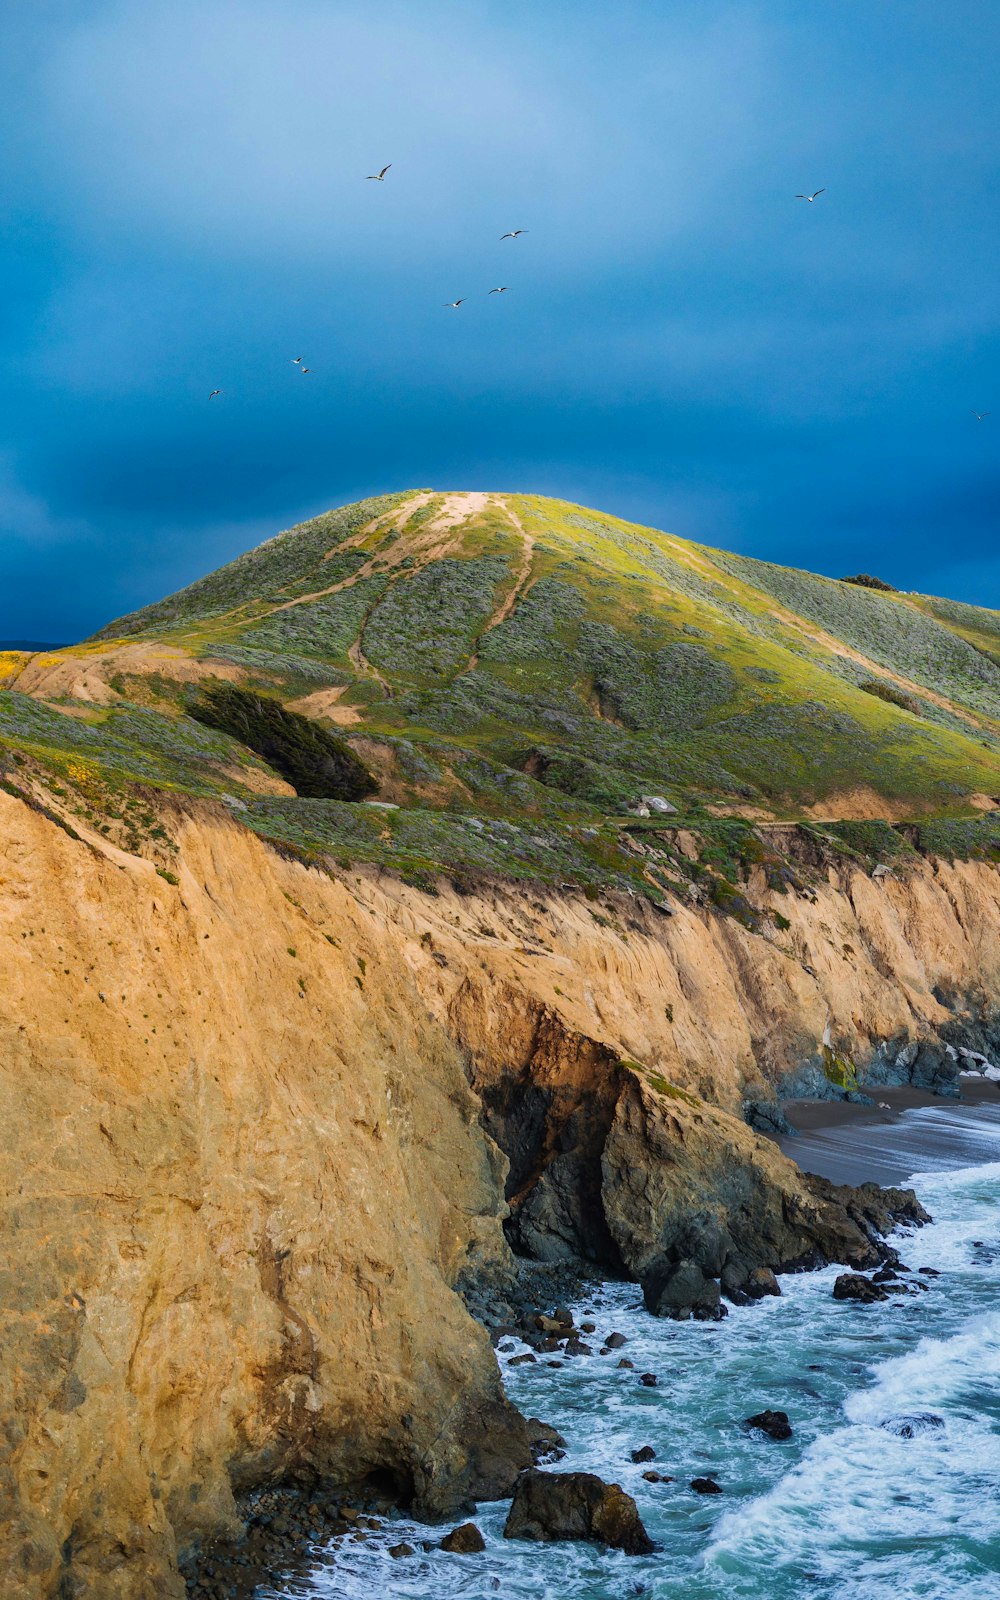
(889, 1488)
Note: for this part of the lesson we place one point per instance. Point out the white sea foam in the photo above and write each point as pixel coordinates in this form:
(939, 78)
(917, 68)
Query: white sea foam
(888, 1490)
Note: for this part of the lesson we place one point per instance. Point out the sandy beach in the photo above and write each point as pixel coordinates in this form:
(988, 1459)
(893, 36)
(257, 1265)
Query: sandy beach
(848, 1143)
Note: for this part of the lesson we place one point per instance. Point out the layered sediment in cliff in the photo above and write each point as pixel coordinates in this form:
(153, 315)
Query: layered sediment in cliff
(241, 1168)
(251, 1133)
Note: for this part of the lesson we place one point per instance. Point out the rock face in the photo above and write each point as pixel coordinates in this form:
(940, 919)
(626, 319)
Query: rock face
(242, 1165)
(241, 1171)
(576, 1505)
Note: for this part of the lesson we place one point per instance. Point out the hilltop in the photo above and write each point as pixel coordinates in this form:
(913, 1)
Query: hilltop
(509, 659)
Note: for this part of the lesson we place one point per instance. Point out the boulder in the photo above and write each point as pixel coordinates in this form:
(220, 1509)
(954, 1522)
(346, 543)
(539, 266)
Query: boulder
(706, 1486)
(853, 1286)
(647, 1453)
(546, 1442)
(761, 1282)
(910, 1427)
(683, 1291)
(465, 1540)
(774, 1423)
(576, 1505)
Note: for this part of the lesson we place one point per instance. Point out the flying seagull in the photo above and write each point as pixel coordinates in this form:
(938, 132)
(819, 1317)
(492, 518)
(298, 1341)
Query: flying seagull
(810, 197)
(214, 393)
(378, 177)
(503, 290)
(296, 361)
(452, 305)
(979, 415)
(516, 234)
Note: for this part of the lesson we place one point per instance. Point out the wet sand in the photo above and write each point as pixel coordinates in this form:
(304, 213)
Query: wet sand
(919, 1132)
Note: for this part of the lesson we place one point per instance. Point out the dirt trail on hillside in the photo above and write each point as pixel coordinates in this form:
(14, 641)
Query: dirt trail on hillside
(421, 547)
(521, 583)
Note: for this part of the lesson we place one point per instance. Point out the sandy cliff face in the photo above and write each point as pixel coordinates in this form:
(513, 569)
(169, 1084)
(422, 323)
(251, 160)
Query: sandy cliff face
(240, 1168)
(716, 1009)
(242, 1162)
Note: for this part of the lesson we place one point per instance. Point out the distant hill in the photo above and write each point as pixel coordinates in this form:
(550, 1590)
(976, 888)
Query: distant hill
(516, 657)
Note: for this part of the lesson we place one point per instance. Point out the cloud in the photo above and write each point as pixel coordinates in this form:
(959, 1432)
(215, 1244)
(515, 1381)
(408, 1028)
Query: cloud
(245, 127)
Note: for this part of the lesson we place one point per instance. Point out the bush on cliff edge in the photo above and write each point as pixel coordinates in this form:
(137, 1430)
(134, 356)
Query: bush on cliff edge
(317, 764)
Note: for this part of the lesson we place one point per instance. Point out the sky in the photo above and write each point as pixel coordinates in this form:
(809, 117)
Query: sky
(183, 207)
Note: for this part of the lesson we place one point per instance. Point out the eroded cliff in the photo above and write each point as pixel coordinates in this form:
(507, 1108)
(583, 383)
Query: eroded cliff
(241, 1167)
(244, 1157)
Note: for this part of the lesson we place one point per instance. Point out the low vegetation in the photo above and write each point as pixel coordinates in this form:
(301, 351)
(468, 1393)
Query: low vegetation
(517, 703)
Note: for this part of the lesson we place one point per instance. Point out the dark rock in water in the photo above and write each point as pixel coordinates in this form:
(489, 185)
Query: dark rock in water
(404, 1549)
(928, 1272)
(627, 1364)
(548, 1325)
(588, 1327)
(774, 1423)
(885, 1275)
(576, 1505)
(706, 1486)
(912, 1426)
(654, 1477)
(683, 1291)
(518, 1361)
(547, 1443)
(614, 1341)
(463, 1541)
(649, 1380)
(761, 1282)
(577, 1347)
(852, 1286)
(647, 1453)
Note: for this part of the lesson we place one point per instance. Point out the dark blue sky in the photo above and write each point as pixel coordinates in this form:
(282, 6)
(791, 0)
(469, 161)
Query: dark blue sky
(684, 343)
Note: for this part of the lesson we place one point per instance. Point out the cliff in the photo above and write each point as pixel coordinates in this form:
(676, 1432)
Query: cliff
(243, 1166)
(240, 1168)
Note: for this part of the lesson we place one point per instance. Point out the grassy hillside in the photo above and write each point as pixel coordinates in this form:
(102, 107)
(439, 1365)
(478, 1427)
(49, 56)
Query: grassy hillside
(508, 661)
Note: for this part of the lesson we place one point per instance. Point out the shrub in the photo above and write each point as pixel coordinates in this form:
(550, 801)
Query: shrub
(317, 764)
(868, 582)
(888, 691)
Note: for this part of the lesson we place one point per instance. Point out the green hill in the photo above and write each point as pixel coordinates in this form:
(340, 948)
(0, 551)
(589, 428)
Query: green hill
(505, 660)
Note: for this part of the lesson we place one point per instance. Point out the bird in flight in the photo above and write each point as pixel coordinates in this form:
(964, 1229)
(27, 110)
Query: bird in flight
(452, 305)
(296, 361)
(810, 197)
(980, 415)
(304, 370)
(378, 177)
(514, 235)
(503, 290)
(214, 393)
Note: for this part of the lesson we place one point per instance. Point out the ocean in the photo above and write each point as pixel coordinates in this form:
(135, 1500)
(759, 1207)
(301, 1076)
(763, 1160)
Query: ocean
(889, 1488)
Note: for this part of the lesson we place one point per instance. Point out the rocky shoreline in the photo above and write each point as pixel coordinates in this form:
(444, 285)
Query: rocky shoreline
(522, 1304)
